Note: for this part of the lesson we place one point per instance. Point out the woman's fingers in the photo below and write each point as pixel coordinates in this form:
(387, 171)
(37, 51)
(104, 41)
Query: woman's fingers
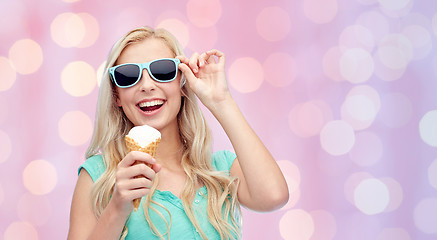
(135, 156)
(197, 60)
(193, 62)
(214, 52)
(135, 183)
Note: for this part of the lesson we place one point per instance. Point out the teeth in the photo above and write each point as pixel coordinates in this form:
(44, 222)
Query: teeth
(151, 103)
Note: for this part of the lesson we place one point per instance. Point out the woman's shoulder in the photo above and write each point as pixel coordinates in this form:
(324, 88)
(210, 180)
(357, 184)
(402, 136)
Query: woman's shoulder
(94, 166)
(222, 160)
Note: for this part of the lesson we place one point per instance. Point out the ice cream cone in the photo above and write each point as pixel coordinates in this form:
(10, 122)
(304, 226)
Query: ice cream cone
(150, 149)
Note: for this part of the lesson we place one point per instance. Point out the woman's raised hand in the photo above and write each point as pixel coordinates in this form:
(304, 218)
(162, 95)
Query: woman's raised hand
(127, 186)
(205, 75)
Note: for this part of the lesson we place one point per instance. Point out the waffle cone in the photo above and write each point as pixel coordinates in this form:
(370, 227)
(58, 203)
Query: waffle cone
(150, 149)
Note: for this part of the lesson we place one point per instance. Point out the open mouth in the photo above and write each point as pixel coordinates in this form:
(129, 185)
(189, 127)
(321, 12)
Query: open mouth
(151, 105)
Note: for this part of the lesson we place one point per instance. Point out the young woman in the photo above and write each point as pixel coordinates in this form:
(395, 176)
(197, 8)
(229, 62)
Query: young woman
(189, 192)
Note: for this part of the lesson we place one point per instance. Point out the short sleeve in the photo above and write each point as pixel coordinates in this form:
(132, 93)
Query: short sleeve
(223, 160)
(94, 166)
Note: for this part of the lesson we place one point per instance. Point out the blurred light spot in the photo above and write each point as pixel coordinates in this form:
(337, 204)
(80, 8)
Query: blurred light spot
(280, 69)
(394, 5)
(432, 174)
(202, 39)
(204, 13)
(296, 224)
(392, 57)
(292, 176)
(397, 110)
(420, 40)
(401, 13)
(395, 51)
(92, 30)
(375, 22)
(356, 36)
(40, 177)
(7, 74)
(356, 65)
(293, 191)
(290, 169)
(100, 72)
(359, 111)
(425, 215)
(367, 91)
(75, 128)
(68, 30)
(20, 230)
(243, 69)
(393, 233)
(371, 196)
(307, 119)
(325, 226)
(385, 73)
(331, 64)
(70, 1)
(5, 146)
(428, 128)
(367, 150)
(337, 137)
(320, 11)
(395, 192)
(178, 29)
(26, 56)
(273, 16)
(352, 183)
(78, 78)
(28, 212)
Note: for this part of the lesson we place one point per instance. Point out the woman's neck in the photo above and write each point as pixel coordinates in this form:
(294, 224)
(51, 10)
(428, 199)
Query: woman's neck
(170, 150)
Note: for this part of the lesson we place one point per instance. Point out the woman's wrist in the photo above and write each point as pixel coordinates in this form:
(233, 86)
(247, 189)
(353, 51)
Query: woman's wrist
(217, 105)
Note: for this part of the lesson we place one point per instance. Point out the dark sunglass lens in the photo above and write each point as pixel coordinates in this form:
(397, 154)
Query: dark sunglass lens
(127, 74)
(163, 70)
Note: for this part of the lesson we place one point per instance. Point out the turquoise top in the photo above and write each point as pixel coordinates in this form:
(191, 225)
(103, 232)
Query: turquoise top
(181, 226)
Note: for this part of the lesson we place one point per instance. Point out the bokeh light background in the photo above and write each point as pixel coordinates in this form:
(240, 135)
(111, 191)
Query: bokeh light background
(343, 93)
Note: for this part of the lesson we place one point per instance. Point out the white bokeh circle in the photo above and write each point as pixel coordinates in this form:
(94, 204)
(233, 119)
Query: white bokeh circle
(356, 65)
(371, 196)
(40, 177)
(296, 224)
(428, 128)
(425, 215)
(337, 137)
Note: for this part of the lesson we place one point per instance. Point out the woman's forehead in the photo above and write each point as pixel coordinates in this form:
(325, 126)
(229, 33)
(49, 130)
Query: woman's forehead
(145, 51)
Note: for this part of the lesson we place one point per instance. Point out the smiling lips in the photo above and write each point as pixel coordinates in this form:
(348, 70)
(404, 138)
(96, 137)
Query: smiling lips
(150, 106)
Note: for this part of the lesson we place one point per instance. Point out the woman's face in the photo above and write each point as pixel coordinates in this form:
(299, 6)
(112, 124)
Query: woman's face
(149, 102)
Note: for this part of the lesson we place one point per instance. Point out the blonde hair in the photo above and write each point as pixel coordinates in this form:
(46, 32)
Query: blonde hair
(111, 125)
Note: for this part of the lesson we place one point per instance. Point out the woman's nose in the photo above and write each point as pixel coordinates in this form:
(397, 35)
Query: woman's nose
(146, 81)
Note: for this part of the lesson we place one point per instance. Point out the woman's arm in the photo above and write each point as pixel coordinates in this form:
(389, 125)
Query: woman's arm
(262, 185)
(83, 222)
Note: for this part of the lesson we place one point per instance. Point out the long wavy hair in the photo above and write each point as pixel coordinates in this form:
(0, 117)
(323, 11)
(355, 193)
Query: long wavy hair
(111, 126)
